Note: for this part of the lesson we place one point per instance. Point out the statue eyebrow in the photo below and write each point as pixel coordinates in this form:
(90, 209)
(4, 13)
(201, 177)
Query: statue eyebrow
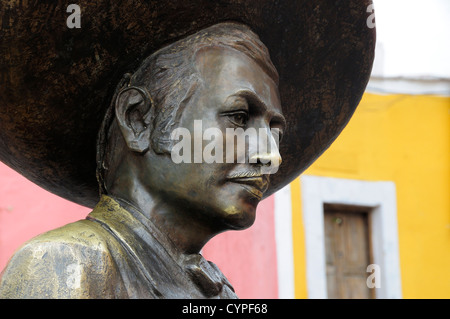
(236, 98)
(253, 98)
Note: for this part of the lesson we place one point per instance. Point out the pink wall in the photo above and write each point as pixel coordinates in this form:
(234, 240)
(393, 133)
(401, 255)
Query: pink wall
(247, 258)
(27, 210)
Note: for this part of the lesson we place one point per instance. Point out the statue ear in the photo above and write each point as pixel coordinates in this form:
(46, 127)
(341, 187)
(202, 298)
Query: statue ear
(133, 116)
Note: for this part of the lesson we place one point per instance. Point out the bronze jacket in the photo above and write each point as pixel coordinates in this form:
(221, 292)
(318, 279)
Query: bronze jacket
(113, 253)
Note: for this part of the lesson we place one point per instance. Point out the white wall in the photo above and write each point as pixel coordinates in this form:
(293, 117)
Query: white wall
(413, 43)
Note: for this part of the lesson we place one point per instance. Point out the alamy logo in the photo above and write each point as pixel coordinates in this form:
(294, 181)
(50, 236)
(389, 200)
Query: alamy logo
(73, 20)
(374, 280)
(235, 146)
(371, 19)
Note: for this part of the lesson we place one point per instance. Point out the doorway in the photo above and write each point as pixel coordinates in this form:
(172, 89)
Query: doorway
(348, 251)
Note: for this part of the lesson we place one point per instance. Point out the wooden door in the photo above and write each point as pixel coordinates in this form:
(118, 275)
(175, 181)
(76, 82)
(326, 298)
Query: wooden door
(348, 252)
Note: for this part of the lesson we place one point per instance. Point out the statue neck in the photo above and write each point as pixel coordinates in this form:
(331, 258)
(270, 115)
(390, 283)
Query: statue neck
(185, 230)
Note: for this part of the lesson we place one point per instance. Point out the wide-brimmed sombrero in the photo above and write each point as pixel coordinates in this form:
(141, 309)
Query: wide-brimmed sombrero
(56, 82)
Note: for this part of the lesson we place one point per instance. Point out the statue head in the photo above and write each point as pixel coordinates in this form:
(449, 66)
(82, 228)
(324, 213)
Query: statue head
(57, 93)
(219, 78)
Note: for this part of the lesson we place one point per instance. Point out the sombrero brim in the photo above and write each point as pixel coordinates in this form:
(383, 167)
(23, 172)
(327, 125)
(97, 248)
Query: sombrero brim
(56, 82)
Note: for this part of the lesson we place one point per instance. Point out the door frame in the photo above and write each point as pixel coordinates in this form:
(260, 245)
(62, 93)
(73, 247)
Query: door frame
(380, 196)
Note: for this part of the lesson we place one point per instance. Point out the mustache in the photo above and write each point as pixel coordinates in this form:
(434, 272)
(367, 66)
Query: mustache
(247, 173)
(251, 177)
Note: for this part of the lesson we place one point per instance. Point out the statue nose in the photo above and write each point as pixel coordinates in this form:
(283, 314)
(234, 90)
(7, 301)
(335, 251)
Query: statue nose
(267, 159)
(267, 153)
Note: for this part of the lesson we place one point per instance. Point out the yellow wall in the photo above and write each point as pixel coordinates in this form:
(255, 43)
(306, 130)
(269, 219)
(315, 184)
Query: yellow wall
(404, 139)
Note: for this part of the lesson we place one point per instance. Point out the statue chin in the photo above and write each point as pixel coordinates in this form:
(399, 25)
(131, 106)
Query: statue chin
(240, 215)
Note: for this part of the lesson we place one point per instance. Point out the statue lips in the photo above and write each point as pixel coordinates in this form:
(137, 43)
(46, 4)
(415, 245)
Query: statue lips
(255, 183)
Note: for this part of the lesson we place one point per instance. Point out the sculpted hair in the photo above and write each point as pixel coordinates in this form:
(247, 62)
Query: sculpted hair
(171, 79)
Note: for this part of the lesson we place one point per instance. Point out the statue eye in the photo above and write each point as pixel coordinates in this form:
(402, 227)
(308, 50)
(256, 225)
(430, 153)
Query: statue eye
(239, 118)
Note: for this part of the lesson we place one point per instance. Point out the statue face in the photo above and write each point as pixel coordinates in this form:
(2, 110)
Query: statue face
(236, 93)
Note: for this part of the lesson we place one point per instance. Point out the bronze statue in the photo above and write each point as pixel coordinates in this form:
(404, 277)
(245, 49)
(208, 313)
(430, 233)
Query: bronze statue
(153, 215)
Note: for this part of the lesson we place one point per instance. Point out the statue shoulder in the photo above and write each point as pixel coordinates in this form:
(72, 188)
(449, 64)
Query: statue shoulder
(73, 261)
